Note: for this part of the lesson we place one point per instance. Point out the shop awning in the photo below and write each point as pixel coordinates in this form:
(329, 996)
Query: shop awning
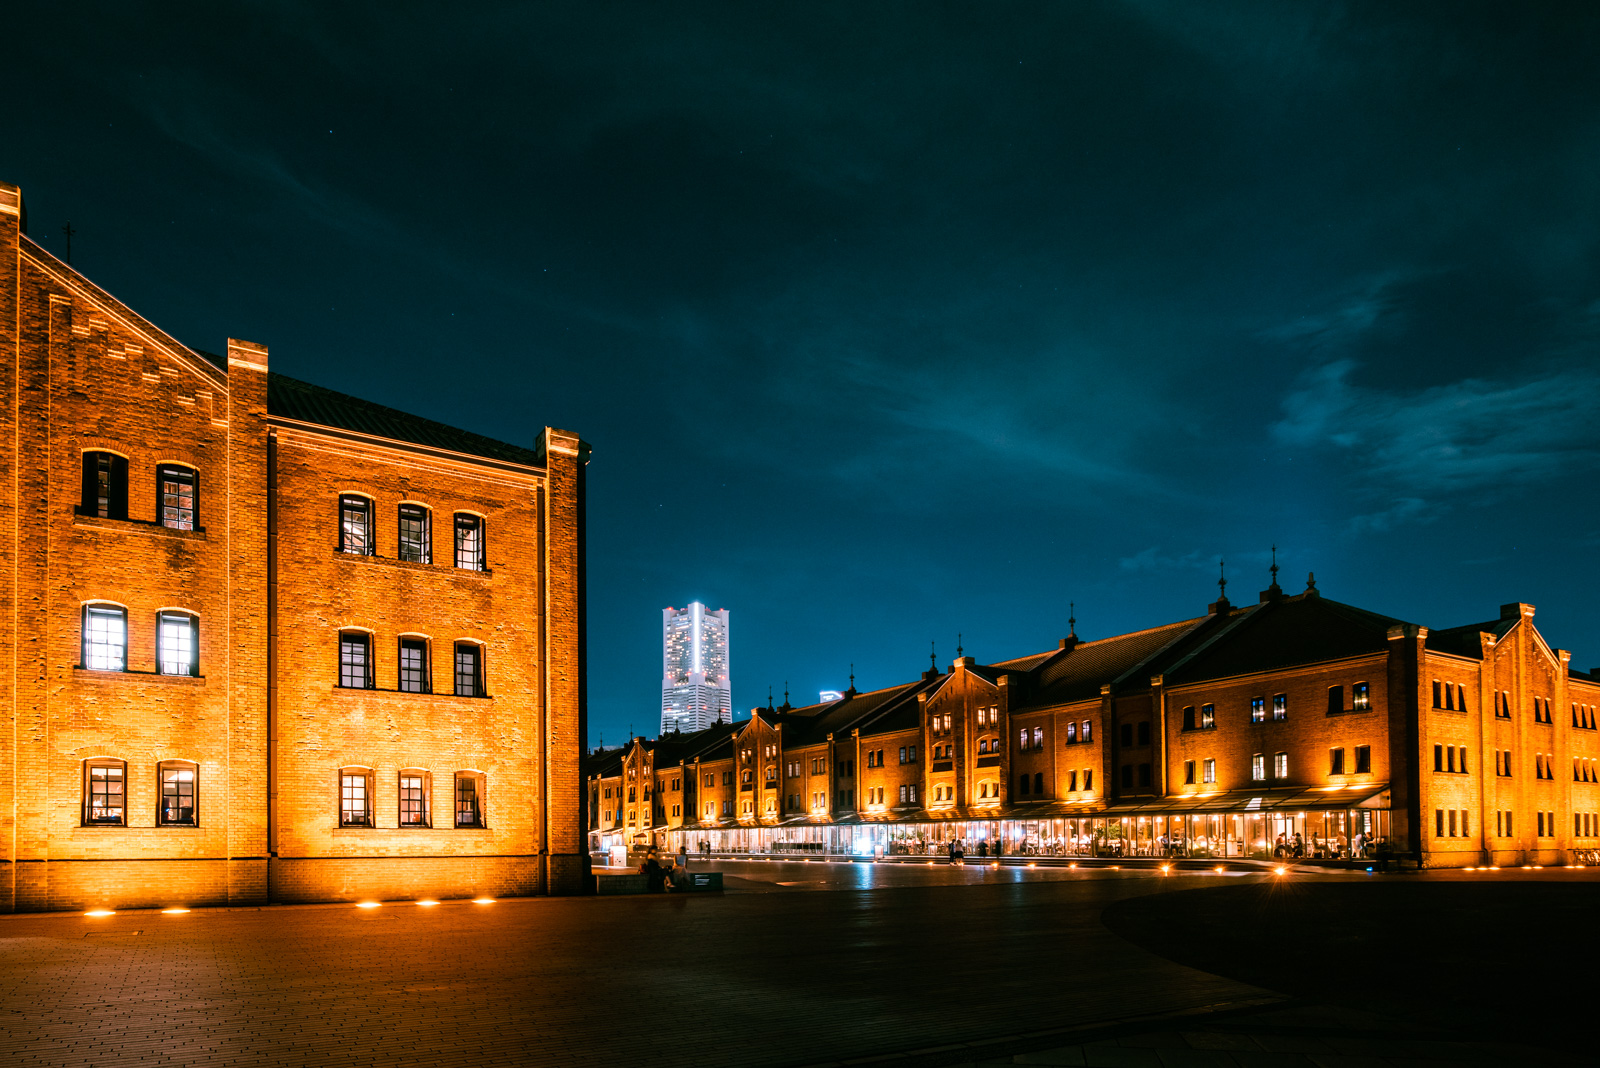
(1358, 795)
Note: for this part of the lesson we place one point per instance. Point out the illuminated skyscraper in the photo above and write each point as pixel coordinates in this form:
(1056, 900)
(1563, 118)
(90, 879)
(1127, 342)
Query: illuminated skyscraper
(694, 676)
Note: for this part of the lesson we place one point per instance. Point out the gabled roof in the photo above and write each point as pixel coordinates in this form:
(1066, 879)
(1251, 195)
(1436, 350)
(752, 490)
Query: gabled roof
(294, 399)
(1464, 640)
(1286, 633)
(1078, 674)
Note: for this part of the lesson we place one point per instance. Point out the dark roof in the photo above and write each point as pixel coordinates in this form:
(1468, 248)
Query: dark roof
(294, 399)
(1284, 633)
(1078, 673)
(1464, 641)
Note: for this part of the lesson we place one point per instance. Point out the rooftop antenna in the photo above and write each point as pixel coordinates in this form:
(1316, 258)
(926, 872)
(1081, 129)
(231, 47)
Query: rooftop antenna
(1072, 619)
(933, 656)
(1222, 580)
(785, 693)
(958, 645)
(852, 675)
(1274, 568)
(69, 231)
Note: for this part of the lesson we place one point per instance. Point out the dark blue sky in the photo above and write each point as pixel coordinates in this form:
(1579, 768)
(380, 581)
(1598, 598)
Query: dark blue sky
(892, 321)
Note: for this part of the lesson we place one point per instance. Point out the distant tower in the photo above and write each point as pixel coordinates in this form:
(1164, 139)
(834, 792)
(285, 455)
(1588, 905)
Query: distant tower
(695, 691)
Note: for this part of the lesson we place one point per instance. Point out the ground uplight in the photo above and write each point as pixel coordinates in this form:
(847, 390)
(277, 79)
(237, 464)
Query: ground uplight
(427, 901)
(1218, 868)
(101, 912)
(1276, 871)
(173, 912)
(483, 901)
(368, 904)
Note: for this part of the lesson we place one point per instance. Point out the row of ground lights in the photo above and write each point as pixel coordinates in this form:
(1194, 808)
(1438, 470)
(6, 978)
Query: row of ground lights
(359, 905)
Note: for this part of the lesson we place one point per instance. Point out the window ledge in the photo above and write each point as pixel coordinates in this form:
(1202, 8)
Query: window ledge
(1369, 711)
(411, 565)
(84, 673)
(341, 830)
(400, 693)
(137, 526)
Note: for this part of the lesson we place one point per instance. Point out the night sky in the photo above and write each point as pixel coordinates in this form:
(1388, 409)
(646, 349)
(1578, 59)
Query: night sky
(892, 321)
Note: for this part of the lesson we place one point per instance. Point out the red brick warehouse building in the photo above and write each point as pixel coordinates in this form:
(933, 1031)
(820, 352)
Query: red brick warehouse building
(265, 641)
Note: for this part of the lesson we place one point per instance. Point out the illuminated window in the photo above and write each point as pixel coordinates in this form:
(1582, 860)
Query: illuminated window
(1086, 729)
(1258, 768)
(179, 794)
(1208, 717)
(1280, 706)
(1360, 697)
(470, 542)
(415, 544)
(177, 635)
(355, 526)
(1209, 766)
(1280, 765)
(105, 793)
(469, 799)
(414, 798)
(105, 637)
(1038, 737)
(355, 797)
(175, 487)
(355, 660)
(1258, 710)
(105, 485)
(1072, 731)
(469, 670)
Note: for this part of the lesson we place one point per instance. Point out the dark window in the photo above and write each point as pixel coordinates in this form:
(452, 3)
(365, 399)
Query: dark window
(1450, 758)
(1363, 759)
(1144, 774)
(414, 798)
(1144, 732)
(1188, 718)
(355, 526)
(1438, 823)
(104, 793)
(1072, 780)
(1088, 778)
(1127, 775)
(1438, 694)
(1461, 760)
(1188, 773)
(355, 797)
(1038, 782)
(1336, 763)
(1335, 699)
(105, 485)
(415, 544)
(355, 660)
(175, 496)
(180, 790)
(1127, 734)
(105, 637)
(469, 670)
(413, 665)
(1438, 758)
(179, 638)
(469, 542)
(469, 801)
(1022, 783)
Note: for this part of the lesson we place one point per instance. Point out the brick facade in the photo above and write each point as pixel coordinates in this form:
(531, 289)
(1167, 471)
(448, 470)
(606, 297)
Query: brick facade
(258, 725)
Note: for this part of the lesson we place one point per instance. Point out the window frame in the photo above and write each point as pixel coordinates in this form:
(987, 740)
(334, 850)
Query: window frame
(368, 777)
(479, 780)
(425, 545)
(1360, 697)
(107, 608)
(87, 806)
(116, 469)
(193, 666)
(367, 507)
(162, 769)
(478, 672)
(366, 636)
(426, 778)
(401, 644)
(184, 472)
(477, 523)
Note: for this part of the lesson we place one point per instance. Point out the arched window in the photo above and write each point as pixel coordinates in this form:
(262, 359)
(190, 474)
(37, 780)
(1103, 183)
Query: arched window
(355, 525)
(105, 485)
(180, 794)
(355, 797)
(470, 553)
(415, 542)
(355, 660)
(469, 669)
(414, 665)
(177, 496)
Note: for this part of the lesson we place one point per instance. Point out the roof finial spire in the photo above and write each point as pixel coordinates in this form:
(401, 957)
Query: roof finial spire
(1072, 619)
(1274, 567)
(1222, 580)
(852, 675)
(785, 693)
(933, 655)
(769, 698)
(1311, 580)
(958, 645)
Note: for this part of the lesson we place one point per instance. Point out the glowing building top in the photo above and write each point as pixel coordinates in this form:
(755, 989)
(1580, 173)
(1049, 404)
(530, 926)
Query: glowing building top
(695, 691)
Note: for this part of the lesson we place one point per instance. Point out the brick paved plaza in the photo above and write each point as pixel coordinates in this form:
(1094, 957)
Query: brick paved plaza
(797, 964)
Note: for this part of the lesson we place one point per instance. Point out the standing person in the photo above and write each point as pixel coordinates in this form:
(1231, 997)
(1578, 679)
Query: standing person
(983, 848)
(961, 851)
(654, 874)
(951, 850)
